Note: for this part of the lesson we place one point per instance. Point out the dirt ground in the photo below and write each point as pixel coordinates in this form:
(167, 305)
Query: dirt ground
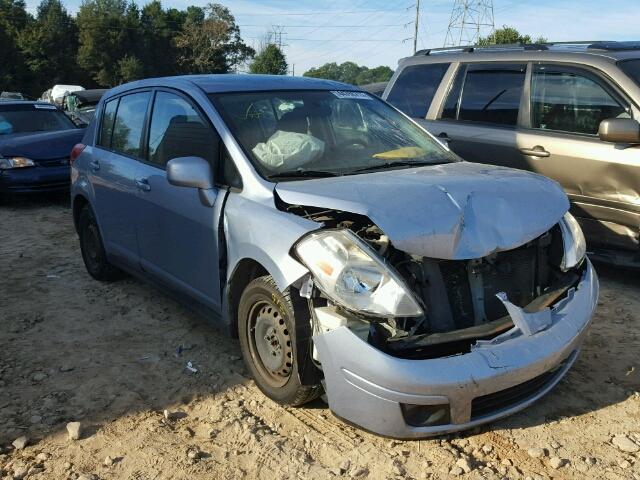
(113, 357)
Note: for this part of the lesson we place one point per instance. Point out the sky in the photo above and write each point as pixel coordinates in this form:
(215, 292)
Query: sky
(380, 32)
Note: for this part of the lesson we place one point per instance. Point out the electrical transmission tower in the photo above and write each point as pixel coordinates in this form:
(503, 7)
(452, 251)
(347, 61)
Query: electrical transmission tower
(470, 19)
(278, 32)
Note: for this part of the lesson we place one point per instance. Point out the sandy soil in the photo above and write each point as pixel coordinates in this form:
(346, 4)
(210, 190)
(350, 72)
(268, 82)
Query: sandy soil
(107, 355)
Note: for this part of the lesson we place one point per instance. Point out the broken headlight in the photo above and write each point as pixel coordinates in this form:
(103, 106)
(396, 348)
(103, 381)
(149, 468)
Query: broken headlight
(352, 275)
(575, 246)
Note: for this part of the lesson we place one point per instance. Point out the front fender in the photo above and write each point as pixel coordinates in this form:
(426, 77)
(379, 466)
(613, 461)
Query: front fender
(265, 234)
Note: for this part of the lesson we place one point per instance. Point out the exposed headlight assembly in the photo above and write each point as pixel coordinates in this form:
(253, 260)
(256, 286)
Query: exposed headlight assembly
(15, 162)
(353, 276)
(575, 246)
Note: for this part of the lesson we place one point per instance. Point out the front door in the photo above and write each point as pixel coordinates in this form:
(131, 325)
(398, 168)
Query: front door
(601, 179)
(177, 234)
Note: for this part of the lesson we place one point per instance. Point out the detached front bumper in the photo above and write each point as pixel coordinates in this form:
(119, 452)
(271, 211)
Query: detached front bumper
(372, 389)
(35, 179)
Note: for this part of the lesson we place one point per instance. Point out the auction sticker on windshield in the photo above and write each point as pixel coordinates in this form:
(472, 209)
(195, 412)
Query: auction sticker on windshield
(351, 95)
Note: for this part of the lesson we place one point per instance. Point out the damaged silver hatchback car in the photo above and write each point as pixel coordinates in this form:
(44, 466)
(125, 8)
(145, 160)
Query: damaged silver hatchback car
(348, 249)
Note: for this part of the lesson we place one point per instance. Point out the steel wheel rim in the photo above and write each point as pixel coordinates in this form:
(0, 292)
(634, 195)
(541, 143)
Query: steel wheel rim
(270, 343)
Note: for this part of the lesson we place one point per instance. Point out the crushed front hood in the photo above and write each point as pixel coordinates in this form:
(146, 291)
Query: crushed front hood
(453, 211)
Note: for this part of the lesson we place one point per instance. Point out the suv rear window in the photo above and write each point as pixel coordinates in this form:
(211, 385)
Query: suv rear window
(631, 68)
(415, 87)
(491, 93)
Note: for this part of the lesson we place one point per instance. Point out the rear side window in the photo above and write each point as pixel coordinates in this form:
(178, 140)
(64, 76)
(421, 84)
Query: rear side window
(632, 68)
(106, 127)
(178, 130)
(129, 124)
(415, 88)
(570, 100)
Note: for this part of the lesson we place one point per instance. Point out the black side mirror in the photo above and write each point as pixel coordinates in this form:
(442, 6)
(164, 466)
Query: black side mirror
(619, 130)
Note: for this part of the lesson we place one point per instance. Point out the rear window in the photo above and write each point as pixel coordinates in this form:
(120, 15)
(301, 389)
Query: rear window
(491, 93)
(632, 68)
(28, 119)
(415, 88)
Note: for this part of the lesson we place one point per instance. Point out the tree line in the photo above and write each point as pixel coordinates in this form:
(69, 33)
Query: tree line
(109, 42)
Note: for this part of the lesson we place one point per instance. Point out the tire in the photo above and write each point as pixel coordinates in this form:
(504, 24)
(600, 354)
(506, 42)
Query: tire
(267, 313)
(92, 248)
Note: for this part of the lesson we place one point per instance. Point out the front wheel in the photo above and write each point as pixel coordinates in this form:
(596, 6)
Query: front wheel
(266, 326)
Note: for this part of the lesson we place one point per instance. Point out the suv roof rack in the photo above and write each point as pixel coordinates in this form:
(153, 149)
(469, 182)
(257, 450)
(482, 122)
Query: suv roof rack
(582, 44)
(479, 48)
(615, 46)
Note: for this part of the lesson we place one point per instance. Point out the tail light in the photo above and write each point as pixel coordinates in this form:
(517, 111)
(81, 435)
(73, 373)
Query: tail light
(76, 151)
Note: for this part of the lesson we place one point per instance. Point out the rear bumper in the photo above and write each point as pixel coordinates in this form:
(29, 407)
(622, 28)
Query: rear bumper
(367, 387)
(35, 179)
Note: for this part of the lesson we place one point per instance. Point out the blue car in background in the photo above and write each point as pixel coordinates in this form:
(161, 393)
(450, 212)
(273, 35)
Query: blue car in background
(36, 139)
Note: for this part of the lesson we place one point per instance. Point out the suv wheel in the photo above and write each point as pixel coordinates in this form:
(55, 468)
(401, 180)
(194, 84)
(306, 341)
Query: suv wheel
(266, 326)
(92, 248)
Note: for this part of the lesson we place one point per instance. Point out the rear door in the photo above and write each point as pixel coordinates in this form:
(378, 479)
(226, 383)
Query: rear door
(112, 167)
(479, 118)
(177, 234)
(560, 140)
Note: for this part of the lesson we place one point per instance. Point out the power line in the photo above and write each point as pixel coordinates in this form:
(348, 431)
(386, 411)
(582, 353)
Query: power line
(334, 12)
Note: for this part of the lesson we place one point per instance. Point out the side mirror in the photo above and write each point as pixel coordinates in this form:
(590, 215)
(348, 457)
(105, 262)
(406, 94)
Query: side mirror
(619, 130)
(193, 172)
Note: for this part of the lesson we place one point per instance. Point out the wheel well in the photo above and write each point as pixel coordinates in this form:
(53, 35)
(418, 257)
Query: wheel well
(78, 203)
(246, 271)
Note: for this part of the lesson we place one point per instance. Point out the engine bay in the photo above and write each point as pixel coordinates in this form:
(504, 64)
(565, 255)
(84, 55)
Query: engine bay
(459, 297)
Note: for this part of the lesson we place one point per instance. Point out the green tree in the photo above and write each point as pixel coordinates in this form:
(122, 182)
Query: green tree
(13, 19)
(350, 72)
(109, 30)
(159, 29)
(508, 35)
(269, 60)
(49, 46)
(210, 41)
(130, 68)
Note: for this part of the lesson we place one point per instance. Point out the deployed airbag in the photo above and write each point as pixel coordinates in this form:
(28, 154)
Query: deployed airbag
(289, 150)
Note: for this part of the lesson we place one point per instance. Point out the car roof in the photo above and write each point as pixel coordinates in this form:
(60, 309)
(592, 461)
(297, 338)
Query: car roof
(24, 104)
(224, 83)
(569, 51)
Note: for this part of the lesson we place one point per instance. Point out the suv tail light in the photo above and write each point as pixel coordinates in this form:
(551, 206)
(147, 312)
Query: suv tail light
(76, 151)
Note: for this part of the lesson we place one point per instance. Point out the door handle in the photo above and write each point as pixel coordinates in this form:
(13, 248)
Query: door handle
(94, 165)
(142, 184)
(536, 151)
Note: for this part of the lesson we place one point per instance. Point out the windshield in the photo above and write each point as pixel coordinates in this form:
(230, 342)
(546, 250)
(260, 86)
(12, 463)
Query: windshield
(33, 120)
(632, 68)
(325, 133)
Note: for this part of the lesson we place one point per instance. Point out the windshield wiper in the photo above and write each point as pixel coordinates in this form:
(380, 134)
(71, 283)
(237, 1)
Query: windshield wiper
(305, 174)
(382, 166)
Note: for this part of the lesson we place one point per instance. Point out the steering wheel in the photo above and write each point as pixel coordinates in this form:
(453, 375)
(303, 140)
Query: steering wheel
(351, 143)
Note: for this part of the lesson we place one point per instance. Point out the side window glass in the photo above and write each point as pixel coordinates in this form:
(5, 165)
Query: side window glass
(129, 123)
(415, 88)
(450, 109)
(106, 127)
(178, 130)
(567, 101)
(492, 93)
